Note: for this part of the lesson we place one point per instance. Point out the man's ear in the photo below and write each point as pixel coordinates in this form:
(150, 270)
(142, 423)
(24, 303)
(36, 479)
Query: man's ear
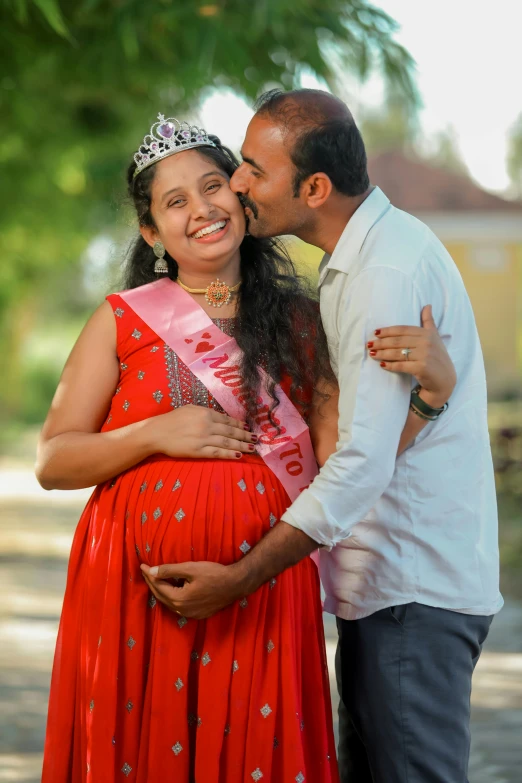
(316, 190)
(149, 234)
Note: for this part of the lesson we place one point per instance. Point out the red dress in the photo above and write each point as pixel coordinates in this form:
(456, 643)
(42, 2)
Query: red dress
(141, 694)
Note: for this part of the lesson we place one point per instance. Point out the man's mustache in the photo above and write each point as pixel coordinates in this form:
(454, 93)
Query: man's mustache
(245, 201)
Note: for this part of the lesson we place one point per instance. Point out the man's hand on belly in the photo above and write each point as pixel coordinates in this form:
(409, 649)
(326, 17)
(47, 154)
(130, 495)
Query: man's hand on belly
(210, 587)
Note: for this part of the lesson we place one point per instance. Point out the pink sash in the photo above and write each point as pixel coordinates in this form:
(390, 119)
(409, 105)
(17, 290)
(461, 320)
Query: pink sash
(213, 357)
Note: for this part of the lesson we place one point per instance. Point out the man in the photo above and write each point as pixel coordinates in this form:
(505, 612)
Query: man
(409, 557)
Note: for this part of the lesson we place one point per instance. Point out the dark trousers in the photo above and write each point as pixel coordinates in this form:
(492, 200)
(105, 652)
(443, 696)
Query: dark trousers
(404, 678)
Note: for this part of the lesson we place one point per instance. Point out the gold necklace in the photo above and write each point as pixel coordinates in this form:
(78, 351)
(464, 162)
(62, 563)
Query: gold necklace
(217, 293)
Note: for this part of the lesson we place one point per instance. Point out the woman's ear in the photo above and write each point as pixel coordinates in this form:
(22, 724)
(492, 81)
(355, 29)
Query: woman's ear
(316, 190)
(149, 234)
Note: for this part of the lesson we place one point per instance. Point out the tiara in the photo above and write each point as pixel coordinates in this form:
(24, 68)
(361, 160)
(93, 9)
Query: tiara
(166, 137)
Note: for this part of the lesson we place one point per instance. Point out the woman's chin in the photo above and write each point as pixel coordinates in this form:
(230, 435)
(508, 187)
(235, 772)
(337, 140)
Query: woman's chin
(226, 246)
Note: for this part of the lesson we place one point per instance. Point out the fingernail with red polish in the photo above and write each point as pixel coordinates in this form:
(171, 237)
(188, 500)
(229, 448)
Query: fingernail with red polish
(238, 455)
(373, 353)
(370, 345)
(251, 447)
(246, 427)
(254, 438)
(383, 364)
(377, 331)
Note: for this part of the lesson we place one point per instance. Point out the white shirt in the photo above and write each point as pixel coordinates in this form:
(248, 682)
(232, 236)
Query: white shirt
(421, 527)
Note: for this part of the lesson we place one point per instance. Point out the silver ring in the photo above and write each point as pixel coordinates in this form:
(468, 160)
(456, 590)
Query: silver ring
(406, 353)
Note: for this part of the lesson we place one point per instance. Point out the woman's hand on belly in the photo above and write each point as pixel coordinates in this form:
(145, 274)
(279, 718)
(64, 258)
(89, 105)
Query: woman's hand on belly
(196, 432)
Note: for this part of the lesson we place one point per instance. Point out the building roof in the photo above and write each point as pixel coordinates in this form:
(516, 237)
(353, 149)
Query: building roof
(418, 187)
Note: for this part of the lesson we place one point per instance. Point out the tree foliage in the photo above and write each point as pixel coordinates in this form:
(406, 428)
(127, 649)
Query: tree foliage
(447, 153)
(391, 127)
(80, 82)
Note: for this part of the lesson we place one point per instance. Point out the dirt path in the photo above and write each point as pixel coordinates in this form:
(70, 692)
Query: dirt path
(35, 534)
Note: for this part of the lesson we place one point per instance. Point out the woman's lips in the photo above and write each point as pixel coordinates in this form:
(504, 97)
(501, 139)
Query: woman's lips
(214, 237)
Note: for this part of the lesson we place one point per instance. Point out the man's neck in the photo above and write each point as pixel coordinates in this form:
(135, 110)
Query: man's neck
(331, 222)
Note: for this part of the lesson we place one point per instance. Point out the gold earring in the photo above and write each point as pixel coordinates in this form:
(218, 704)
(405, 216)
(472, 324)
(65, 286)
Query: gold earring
(160, 267)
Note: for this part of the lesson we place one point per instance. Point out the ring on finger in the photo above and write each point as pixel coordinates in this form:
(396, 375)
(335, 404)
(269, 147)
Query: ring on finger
(406, 353)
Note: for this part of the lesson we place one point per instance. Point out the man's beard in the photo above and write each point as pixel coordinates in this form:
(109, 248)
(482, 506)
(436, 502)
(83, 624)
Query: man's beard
(268, 226)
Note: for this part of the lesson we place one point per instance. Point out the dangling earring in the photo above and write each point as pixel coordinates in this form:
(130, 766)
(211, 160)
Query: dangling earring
(160, 267)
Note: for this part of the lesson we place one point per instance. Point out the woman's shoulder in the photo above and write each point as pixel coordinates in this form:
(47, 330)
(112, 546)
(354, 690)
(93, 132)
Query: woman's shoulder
(134, 335)
(116, 302)
(102, 318)
(98, 334)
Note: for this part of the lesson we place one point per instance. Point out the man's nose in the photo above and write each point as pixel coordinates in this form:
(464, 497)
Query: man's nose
(237, 181)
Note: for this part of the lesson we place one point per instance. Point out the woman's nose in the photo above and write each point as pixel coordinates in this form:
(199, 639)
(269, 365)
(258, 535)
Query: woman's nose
(202, 208)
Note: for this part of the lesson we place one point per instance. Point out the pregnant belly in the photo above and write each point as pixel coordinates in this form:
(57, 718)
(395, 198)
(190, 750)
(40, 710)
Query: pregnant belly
(181, 510)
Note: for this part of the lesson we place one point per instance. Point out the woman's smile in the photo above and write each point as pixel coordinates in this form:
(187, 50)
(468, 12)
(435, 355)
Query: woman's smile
(212, 232)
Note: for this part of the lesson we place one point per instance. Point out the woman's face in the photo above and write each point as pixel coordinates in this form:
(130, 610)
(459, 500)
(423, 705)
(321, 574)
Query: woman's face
(198, 219)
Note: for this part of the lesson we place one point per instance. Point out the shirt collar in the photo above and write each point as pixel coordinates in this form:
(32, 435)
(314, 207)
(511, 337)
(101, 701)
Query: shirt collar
(357, 229)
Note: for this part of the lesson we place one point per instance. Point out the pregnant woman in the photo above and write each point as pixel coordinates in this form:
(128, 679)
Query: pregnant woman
(138, 692)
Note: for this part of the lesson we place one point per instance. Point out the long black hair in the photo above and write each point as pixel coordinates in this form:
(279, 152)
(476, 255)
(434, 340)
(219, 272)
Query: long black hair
(279, 325)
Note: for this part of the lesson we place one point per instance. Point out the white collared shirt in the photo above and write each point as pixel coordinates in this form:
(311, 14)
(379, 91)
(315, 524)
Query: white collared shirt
(421, 527)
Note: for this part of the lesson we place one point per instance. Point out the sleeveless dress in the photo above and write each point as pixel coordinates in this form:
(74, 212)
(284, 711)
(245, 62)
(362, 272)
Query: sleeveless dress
(139, 693)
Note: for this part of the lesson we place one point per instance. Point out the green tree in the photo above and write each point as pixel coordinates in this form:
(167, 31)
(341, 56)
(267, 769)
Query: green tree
(514, 159)
(447, 153)
(392, 127)
(81, 81)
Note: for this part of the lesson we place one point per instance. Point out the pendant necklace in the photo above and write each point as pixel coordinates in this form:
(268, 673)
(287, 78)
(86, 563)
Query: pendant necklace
(217, 293)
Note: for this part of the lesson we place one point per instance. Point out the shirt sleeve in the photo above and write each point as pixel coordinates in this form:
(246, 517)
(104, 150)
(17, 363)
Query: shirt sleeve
(373, 407)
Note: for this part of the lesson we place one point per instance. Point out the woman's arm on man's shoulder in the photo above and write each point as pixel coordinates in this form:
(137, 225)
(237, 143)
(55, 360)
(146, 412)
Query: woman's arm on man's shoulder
(430, 364)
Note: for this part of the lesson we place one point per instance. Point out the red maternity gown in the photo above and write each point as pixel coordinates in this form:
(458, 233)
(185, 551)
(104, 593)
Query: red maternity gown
(141, 694)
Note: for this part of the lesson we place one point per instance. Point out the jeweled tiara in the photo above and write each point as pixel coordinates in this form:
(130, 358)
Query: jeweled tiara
(166, 137)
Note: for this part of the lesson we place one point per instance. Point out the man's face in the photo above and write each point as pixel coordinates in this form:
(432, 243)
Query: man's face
(264, 182)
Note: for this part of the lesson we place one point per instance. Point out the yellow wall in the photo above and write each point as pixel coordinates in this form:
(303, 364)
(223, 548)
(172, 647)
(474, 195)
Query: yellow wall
(495, 295)
(306, 257)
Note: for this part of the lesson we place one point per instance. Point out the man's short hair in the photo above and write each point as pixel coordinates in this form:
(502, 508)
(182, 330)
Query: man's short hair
(323, 137)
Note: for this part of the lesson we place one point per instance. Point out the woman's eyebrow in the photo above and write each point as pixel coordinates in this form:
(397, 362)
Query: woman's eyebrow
(213, 174)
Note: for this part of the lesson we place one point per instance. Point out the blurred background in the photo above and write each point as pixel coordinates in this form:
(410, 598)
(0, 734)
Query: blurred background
(435, 90)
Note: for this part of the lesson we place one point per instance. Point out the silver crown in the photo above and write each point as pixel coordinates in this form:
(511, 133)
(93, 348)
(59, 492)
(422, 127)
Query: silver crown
(166, 137)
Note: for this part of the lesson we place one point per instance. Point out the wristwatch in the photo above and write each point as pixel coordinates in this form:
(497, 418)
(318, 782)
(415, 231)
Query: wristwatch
(422, 409)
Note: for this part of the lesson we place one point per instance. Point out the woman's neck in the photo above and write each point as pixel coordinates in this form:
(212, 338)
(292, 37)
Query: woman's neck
(227, 273)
